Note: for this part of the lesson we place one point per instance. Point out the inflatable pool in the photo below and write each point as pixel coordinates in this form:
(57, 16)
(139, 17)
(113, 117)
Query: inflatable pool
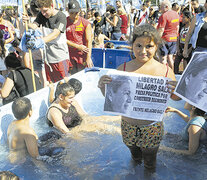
(100, 154)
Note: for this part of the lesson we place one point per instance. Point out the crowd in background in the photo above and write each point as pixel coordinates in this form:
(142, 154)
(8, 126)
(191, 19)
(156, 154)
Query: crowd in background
(94, 29)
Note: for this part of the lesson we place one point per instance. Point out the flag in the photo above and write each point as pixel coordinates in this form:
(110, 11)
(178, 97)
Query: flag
(59, 4)
(102, 6)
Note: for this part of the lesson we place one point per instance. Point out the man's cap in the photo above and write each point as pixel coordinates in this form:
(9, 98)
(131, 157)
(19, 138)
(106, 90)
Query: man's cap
(73, 6)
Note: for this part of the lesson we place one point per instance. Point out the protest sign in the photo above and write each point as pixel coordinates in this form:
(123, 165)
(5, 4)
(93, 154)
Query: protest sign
(137, 96)
(192, 86)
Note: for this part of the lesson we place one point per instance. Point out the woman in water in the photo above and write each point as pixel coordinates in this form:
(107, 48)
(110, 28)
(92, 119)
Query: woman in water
(65, 114)
(195, 130)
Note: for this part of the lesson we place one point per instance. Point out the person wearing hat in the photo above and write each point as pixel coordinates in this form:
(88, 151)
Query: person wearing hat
(78, 33)
(53, 24)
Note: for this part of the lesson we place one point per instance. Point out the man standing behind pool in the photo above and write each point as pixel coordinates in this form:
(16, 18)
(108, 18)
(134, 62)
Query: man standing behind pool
(79, 38)
(56, 53)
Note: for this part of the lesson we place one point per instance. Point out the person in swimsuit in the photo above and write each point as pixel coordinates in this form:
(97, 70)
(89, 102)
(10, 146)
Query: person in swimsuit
(195, 130)
(143, 137)
(66, 114)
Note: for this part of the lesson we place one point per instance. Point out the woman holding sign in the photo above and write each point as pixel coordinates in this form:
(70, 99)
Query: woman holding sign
(143, 137)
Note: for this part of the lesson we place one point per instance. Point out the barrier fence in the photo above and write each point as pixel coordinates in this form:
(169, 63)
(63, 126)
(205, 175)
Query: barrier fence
(109, 58)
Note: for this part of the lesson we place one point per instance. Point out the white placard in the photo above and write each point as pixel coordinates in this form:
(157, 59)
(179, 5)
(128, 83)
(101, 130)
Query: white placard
(192, 86)
(137, 96)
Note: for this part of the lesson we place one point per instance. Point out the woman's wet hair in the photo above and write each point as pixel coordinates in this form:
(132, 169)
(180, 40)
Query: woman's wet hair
(76, 84)
(63, 88)
(21, 107)
(13, 61)
(146, 30)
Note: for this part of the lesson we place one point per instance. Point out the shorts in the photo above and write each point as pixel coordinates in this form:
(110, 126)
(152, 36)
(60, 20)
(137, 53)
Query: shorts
(116, 36)
(59, 71)
(38, 65)
(144, 137)
(168, 48)
(76, 67)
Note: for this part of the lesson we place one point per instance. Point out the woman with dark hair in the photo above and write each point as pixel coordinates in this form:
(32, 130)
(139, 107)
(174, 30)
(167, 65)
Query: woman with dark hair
(197, 34)
(19, 78)
(65, 113)
(194, 132)
(116, 23)
(186, 20)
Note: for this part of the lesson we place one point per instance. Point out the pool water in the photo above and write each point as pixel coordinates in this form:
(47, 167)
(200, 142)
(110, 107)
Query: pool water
(103, 155)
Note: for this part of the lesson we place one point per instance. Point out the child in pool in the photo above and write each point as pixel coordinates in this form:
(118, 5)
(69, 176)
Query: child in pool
(195, 130)
(135, 132)
(21, 136)
(99, 38)
(66, 115)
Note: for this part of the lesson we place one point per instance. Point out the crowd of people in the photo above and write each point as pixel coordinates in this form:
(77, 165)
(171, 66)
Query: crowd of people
(61, 45)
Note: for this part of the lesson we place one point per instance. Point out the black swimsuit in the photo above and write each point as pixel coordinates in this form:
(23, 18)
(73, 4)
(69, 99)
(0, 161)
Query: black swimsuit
(71, 118)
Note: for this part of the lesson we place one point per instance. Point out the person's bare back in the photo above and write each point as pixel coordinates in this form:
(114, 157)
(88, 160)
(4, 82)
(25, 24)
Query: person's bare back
(21, 138)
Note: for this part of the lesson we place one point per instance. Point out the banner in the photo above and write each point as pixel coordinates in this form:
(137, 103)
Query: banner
(192, 86)
(137, 4)
(102, 6)
(137, 96)
(8, 2)
(82, 4)
(59, 4)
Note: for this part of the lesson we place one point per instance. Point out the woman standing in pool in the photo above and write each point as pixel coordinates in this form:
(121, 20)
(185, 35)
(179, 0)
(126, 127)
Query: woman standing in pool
(143, 137)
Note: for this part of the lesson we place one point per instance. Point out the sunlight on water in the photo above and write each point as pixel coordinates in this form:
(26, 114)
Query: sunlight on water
(95, 150)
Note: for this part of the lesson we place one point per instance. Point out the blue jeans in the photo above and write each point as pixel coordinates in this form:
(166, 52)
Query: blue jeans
(116, 36)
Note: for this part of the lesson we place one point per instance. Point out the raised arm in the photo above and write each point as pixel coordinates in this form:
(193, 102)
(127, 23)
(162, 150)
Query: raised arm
(184, 116)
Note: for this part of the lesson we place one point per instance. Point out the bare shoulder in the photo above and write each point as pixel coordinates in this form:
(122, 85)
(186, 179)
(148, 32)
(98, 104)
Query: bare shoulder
(27, 130)
(127, 66)
(164, 70)
(54, 110)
